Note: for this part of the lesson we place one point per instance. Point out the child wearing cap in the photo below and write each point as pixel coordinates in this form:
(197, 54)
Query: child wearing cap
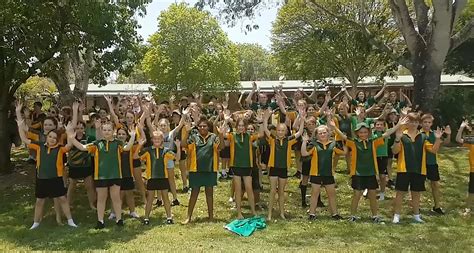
(382, 156)
(364, 166)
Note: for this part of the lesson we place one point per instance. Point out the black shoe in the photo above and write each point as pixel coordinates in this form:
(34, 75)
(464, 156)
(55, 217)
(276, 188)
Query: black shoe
(265, 172)
(169, 221)
(185, 189)
(312, 217)
(438, 211)
(100, 225)
(146, 222)
(119, 223)
(337, 217)
(175, 202)
(297, 174)
(158, 203)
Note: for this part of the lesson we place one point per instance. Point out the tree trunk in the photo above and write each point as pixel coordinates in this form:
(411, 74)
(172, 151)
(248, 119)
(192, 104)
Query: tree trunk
(427, 80)
(5, 141)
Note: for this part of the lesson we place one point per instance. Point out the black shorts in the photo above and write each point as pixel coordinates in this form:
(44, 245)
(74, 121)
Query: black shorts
(241, 172)
(297, 145)
(382, 163)
(50, 188)
(413, 181)
(225, 153)
(279, 172)
(322, 180)
(264, 154)
(255, 178)
(432, 172)
(305, 167)
(136, 163)
(157, 184)
(80, 172)
(101, 183)
(361, 183)
(127, 184)
(471, 183)
(183, 155)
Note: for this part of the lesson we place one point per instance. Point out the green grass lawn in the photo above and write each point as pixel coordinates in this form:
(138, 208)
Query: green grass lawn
(451, 232)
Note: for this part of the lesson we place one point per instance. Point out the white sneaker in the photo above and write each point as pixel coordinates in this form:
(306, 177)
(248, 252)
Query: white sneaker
(112, 216)
(134, 215)
(71, 223)
(381, 196)
(35, 225)
(396, 219)
(417, 218)
(231, 200)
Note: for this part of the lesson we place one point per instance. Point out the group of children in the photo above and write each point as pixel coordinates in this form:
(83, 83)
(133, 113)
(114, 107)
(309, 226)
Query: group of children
(134, 145)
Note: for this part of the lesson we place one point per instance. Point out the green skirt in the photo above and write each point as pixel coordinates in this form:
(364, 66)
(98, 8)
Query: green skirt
(200, 179)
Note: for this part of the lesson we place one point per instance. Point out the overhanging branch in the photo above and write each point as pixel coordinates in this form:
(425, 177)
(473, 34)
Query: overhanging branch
(464, 34)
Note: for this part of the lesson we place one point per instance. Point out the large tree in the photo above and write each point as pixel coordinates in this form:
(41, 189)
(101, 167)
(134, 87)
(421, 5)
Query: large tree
(256, 63)
(190, 53)
(35, 33)
(429, 33)
(311, 46)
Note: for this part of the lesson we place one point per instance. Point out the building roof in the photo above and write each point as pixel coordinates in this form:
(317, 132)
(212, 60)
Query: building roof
(288, 85)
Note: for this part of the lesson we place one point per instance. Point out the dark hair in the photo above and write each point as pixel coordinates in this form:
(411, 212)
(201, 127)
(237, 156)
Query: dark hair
(164, 102)
(80, 122)
(53, 119)
(241, 120)
(58, 134)
(38, 103)
(207, 122)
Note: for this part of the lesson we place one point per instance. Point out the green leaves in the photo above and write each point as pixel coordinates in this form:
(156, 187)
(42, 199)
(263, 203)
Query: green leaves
(189, 53)
(311, 44)
(256, 63)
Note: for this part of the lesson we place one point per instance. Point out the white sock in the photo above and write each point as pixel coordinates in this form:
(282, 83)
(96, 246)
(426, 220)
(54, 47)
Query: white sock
(382, 196)
(71, 223)
(35, 225)
(396, 218)
(417, 217)
(134, 215)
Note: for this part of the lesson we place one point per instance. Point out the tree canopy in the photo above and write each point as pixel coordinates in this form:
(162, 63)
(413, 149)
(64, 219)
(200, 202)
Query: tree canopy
(190, 53)
(256, 63)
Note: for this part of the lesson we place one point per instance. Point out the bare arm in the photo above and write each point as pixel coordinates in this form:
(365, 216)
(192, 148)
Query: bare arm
(113, 116)
(301, 128)
(22, 129)
(380, 93)
(304, 149)
(131, 141)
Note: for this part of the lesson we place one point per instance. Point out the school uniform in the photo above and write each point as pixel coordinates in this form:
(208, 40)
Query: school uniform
(280, 155)
(364, 166)
(107, 162)
(49, 170)
(203, 157)
(382, 153)
(79, 162)
(432, 170)
(128, 163)
(156, 171)
(471, 166)
(321, 155)
(241, 153)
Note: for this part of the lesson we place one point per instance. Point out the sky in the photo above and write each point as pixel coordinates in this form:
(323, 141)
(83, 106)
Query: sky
(149, 24)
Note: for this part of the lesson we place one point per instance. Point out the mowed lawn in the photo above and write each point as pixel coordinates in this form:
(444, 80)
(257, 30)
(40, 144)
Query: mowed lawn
(451, 232)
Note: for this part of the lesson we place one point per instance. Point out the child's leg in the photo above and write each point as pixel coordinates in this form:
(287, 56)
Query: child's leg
(166, 203)
(232, 191)
(331, 192)
(184, 173)
(250, 196)
(57, 210)
(303, 188)
(149, 203)
(281, 195)
(397, 207)
(355, 201)
(348, 161)
(389, 168)
(435, 190)
(137, 175)
(210, 202)
(260, 173)
(64, 206)
(298, 161)
(374, 206)
(91, 194)
(130, 199)
(172, 183)
(39, 206)
(102, 193)
(237, 186)
(70, 190)
(273, 187)
(192, 203)
(116, 201)
(315, 189)
(415, 197)
(469, 202)
(383, 182)
(335, 161)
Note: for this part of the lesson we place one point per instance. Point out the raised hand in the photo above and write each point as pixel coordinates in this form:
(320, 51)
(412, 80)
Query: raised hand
(172, 98)
(267, 113)
(177, 142)
(142, 141)
(254, 86)
(464, 124)
(108, 99)
(227, 96)
(97, 124)
(438, 133)
(405, 110)
(70, 129)
(447, 130)
(403, 120)
(225, 104)
(18, 106)
(132, 132)
(185, 111)
(305, 137)
(196, 95)
(331, 123)
(358, 111)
